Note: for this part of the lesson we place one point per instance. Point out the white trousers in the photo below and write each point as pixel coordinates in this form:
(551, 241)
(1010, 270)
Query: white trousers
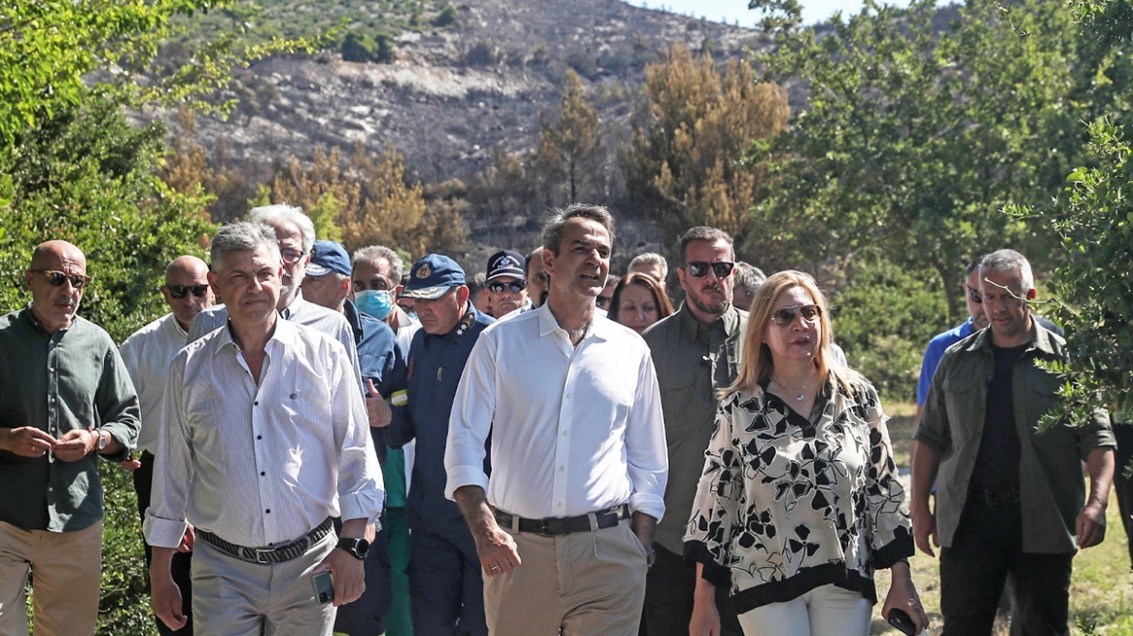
(823, 611)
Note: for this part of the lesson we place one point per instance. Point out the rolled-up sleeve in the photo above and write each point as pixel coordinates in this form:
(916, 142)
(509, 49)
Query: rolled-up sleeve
(361, 491)
(165, 523)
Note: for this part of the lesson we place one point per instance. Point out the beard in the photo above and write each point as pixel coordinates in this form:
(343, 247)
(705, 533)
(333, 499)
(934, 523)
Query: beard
(709, 307)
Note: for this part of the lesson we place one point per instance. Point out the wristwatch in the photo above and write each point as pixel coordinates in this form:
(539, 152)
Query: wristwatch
(102, 440)
(358, 548)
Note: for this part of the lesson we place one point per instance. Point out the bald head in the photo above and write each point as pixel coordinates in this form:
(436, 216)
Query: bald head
(56, 279)
(186, 289)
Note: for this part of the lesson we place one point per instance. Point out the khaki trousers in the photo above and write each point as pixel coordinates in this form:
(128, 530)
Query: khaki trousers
(66, 572)
(582, 583)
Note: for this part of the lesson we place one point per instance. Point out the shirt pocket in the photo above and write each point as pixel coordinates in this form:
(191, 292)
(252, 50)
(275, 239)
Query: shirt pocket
(964, 399)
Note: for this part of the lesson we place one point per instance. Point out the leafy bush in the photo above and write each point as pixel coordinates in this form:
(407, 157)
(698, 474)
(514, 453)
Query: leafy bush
(446, 17)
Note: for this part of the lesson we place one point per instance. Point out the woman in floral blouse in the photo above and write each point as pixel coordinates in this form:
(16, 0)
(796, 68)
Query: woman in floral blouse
(799, 501)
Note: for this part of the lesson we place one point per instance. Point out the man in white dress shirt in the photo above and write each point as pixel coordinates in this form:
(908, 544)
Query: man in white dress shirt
(265, 439)
(578, 446)
(147, 354)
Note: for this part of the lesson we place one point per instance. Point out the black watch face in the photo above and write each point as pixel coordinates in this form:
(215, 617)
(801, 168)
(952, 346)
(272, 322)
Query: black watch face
(362, 548)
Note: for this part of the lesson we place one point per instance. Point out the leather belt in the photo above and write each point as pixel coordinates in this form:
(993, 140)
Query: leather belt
(554, 526)
(273, 554)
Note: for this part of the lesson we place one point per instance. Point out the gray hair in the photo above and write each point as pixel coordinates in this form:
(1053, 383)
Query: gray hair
(243, 237)
(271, 214)
(651, 258)
(703, 233)
(1007, 260)
(553, 228)
(749, 277)
(374, 253)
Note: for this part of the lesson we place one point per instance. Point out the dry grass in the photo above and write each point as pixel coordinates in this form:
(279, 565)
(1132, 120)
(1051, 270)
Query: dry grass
(1101, 590)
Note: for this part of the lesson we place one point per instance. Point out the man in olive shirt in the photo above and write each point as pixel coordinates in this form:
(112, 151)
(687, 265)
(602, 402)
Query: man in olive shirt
(65, 398)
(696, 353)
(1009, 498)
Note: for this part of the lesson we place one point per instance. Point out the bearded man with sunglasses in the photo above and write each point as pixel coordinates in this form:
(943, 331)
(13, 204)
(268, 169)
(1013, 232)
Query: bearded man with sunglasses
(147, 355)
(65, 399)
(696, 352)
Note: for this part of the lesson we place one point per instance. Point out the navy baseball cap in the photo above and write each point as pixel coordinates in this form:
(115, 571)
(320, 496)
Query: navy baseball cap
(506, 263)
(432, 277)
(327, 257)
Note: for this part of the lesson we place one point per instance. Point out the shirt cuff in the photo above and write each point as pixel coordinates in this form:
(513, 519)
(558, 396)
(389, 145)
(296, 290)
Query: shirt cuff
(366, 504)
(650, 504)
(163, 533)
(459, 476)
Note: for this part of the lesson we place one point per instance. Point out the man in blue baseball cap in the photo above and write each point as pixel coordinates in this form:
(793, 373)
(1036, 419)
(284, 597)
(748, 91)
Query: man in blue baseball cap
(445, 584)
(327, 283)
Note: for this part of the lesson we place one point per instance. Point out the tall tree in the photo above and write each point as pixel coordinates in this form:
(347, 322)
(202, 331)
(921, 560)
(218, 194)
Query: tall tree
(570, 155)
(913, 137)
(684, 161)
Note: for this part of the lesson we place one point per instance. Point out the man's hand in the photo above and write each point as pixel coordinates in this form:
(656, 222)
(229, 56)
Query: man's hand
(75, 445)
(188, 540)
(497, 550)
(349, 575)
(1090, 525)
(165, 596)
(924, 528)
(377, 410)
(130, 464)
(26, 441)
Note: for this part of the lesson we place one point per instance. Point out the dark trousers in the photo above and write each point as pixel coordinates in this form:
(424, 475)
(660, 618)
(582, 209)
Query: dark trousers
(182, 561)
(367, 615)
(1123, 485)
(669, 587)
(987, 548)
(446, 587)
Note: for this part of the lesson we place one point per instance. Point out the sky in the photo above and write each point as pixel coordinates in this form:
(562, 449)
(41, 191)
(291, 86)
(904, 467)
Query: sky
(730, 11)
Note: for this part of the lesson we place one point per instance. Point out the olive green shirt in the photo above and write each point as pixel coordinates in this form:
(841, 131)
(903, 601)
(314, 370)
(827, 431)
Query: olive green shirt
(1052, 491)
(693, 362)
(69, 380)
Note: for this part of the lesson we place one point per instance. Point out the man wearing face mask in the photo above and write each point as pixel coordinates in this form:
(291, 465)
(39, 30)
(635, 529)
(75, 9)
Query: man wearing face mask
(375, 285)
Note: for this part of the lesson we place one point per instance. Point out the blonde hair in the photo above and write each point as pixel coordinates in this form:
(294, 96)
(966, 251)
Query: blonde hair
(756, 363)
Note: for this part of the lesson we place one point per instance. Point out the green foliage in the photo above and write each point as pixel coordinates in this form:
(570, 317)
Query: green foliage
(366, 48)
(569, 156)
(883, 316)
(124, 606)
(912, 140)
(88, 177)
(446, 17)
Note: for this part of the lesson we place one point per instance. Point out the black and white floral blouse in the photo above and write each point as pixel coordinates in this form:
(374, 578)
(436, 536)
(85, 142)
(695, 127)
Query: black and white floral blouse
(787, 504)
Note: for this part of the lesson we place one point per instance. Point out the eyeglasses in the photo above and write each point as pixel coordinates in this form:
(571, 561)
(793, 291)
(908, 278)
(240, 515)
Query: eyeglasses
(56, 278)
(291, 255)
(699, 269)
(603, 302)
(785, 316)
(974, 294)
(180, 291)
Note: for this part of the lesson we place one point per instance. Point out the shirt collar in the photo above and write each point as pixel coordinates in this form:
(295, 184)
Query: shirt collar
(285, 334)
(729, 322)
(599, 327)
(295, 307)
(1041, 339)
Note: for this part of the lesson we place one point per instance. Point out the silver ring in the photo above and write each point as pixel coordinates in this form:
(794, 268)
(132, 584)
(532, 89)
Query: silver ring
(494, 568)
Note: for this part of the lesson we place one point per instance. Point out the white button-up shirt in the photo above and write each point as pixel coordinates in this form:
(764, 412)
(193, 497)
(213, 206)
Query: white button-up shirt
(262, 465)
(574, 429)
(147, 354)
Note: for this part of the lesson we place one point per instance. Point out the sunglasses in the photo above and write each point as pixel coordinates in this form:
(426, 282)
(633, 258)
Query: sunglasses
(291, 255)
(699, 269)
(785, 316)
(974, 294)
(603, 301)
(180, 291)
(56, 278)
(514, 287)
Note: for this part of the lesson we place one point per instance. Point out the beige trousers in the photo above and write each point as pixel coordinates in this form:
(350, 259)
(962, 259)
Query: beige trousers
(66, 572)
(582, 583)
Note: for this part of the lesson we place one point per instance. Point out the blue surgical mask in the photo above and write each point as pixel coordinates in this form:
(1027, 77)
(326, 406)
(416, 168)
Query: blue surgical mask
(374, 303)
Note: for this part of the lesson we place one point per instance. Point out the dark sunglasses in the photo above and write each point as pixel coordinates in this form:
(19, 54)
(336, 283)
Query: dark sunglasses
(56, 278)
(785, 316)
(514, 286)
(699, 269)
(180, 291)
(974, 294)
(291, 255)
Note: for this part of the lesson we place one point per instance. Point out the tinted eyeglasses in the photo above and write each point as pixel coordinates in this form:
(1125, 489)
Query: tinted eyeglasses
(180, 291)
(291, 255)
(785, 316)
(56, 278)
(514, 286)
(699, 269)
(974, 294)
